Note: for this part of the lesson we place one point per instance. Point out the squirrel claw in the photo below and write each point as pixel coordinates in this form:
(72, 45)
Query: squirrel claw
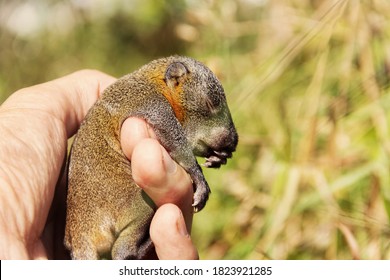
(196, 209)
(201, 195)
(199, 201)
(217, 159)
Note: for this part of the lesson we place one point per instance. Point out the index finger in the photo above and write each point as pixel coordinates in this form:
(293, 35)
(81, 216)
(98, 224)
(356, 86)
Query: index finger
(67, 99)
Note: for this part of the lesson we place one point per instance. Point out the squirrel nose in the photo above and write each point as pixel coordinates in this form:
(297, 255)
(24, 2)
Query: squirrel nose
(227, 140)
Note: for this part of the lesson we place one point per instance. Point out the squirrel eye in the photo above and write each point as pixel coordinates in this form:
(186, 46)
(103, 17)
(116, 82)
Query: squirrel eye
(210, 106)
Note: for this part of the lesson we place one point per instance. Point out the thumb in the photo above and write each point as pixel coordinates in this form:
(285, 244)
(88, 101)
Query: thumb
(169, 235)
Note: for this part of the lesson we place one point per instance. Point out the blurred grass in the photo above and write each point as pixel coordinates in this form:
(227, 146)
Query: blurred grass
(308, 83)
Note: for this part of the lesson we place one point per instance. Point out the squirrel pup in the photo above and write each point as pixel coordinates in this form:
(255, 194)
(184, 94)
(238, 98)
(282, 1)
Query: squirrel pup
(108, 215)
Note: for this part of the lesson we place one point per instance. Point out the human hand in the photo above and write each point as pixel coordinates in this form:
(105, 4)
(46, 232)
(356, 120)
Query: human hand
(35, 124)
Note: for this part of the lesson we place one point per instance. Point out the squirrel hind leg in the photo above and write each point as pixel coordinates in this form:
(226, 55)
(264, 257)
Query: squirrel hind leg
(90, 245)
(130, 246)
(86, 251)
(133, 241)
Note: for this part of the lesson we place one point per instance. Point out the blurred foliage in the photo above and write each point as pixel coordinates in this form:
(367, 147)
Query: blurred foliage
(308, 86)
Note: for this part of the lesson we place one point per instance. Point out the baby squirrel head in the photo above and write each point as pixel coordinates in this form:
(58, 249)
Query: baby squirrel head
(199, 102)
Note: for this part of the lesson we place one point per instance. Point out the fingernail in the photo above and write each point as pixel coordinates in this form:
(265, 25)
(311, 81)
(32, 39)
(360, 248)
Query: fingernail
(150, 131)
(181, 225)
(169, 164)
(140, 127)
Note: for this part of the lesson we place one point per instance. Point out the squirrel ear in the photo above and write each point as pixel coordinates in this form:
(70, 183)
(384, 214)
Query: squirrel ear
(175, 74)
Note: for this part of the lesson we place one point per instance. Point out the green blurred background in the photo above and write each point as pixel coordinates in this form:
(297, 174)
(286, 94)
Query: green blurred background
(308, 83)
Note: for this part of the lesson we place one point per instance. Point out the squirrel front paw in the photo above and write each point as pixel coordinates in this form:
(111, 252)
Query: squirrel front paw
(217, 158)
(201, 191)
